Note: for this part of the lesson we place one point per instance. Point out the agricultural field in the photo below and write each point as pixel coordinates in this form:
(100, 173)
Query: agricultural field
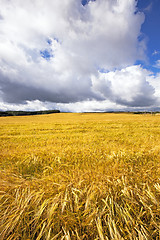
(79, 176)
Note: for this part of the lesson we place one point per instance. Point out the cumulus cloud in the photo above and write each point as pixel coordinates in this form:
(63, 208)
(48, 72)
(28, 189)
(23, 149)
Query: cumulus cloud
(64, 53)
(128, 86)
(154, 80)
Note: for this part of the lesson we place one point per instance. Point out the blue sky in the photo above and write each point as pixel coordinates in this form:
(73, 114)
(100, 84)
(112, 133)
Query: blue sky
(150, 28)
(97, 55)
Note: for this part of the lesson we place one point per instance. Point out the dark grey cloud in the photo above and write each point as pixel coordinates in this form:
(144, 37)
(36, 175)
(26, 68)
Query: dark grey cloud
(17, 92)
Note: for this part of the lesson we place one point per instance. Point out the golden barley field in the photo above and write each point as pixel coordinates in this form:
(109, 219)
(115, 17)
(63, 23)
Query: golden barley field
(80, 176)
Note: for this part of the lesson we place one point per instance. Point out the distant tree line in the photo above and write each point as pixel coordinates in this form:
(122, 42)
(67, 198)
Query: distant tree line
(26, 113)
(147, 112)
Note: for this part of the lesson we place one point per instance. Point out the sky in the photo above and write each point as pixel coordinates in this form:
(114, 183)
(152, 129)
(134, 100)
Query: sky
(80, 55)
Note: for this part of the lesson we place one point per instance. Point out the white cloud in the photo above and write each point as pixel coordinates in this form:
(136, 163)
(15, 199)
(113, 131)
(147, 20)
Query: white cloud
(154, 80)
(28, 106)
(128, 86)
(157, 65)
(82, 40)
(149, 7)
(155, 52)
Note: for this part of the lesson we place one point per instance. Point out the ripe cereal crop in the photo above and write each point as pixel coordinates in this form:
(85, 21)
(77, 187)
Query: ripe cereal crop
(75, 176)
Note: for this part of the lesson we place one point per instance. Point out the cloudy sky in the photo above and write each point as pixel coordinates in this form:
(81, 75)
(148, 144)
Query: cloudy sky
(80, 55)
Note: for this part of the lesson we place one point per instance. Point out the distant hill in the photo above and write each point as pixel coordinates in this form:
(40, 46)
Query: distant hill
(26, 113)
